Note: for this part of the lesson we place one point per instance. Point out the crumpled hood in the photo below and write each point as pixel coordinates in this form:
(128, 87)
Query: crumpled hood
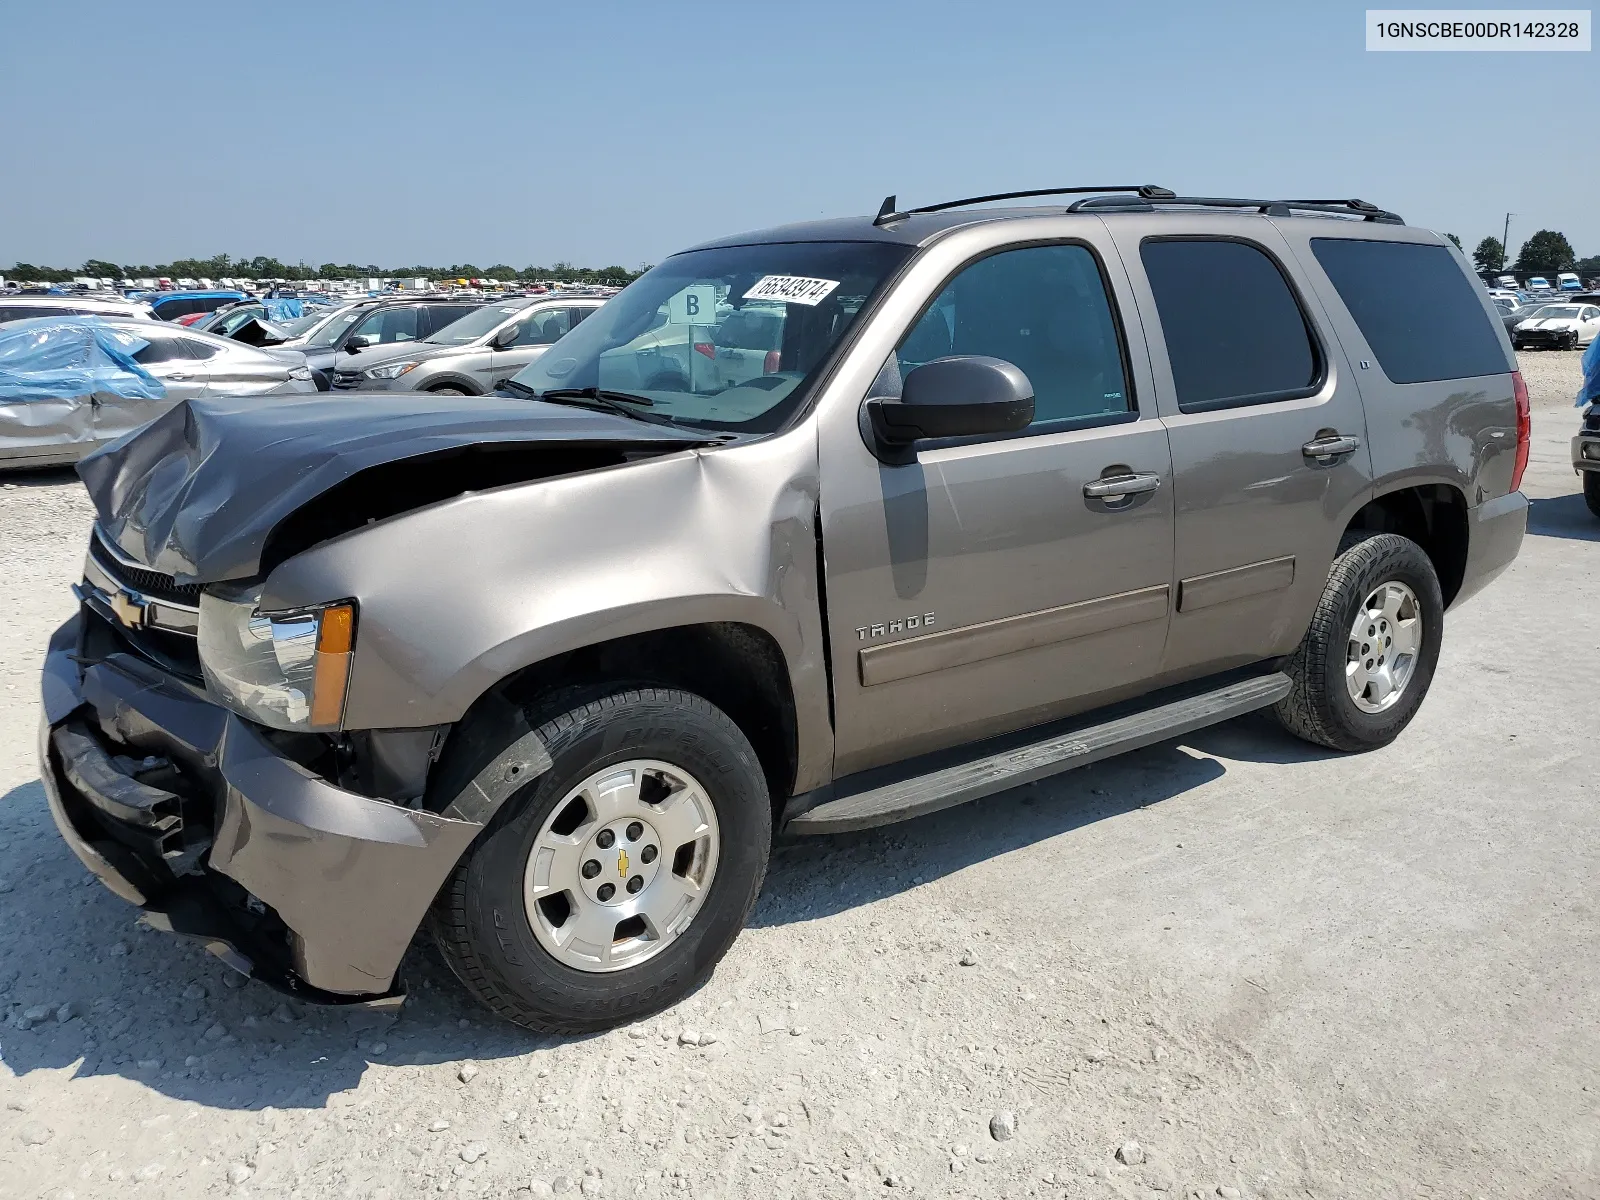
(196, 492)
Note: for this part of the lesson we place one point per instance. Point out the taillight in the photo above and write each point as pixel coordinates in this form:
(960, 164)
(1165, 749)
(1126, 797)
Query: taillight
(705, 348)
(773, 363)
(1524, 428)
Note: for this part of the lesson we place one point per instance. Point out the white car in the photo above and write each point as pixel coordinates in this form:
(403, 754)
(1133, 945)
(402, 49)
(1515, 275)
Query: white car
(20, 308)
(1557, 327)
(47, 428)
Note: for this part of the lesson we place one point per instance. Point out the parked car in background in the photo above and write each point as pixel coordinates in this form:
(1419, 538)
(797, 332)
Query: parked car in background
(1538, 283)
(1586, 456)
(1512, 316)
(1567, 281)
(224, 321)
(169, 306)
(379, 323)
(1557, 327)
(22, 308)
(471, 356)
(71, 388)
(194, 363)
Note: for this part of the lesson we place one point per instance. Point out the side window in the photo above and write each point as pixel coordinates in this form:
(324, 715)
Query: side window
(1042, 308)
(577, 315)
(198, 350)
(434, 317)
(393, 325)
(1448, 337)
(544, 327)
(160, 350)
(21, 312)
(1235, 333)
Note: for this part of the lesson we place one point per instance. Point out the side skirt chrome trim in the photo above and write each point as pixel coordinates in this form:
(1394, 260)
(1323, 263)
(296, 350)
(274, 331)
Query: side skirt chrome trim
(1236, 583)
(1028, 631)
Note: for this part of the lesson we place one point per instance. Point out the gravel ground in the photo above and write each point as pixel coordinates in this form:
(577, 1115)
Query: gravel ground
(1228, 966)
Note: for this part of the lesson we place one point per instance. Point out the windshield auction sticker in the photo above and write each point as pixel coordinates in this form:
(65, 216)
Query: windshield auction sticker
(792, 289)
(1470, 29)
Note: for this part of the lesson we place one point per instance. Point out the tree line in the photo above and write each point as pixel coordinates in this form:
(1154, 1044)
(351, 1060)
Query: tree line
(1546, 253)
(222, 266)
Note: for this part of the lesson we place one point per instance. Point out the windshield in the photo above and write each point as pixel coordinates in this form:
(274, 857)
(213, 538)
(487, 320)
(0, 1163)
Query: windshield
(300, 325)
(725, 339)
(1556, 310)
(475, 324)
(330, 333)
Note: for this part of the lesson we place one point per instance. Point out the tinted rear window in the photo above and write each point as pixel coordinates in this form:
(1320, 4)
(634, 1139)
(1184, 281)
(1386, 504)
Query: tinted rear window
(22, 312)
(1417, 309)
(1234, 331)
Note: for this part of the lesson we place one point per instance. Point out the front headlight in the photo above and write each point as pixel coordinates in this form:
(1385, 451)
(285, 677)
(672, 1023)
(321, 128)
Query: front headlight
(301, 373)
(287, 670)
(389, 370)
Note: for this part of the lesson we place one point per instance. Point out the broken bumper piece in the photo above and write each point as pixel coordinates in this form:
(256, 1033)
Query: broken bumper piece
(193, 814)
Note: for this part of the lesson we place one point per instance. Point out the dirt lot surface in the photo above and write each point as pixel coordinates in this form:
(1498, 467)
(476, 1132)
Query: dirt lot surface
(1228, 966)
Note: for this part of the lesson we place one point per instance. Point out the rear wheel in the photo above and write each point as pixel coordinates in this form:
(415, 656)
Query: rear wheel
(1361, 671)
(611, 885)
(1591, 491)
(447, 391)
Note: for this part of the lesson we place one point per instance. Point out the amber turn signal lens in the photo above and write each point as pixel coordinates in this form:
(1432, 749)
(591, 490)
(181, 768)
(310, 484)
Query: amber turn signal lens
(336, 633)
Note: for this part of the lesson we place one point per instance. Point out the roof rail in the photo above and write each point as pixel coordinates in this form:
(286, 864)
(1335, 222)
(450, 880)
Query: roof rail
(887, 211)
(1270, 208)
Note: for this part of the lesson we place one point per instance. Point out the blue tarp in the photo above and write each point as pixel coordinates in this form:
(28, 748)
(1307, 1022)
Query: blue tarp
(1589, 393)
(51, 357)
(283, 310)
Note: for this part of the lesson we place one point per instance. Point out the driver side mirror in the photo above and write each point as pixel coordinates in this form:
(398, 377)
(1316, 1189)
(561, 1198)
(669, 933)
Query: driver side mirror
(960, 396)
(504, 337)
(357, 344)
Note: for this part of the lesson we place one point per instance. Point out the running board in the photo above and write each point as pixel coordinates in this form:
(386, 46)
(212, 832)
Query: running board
(1010, 768)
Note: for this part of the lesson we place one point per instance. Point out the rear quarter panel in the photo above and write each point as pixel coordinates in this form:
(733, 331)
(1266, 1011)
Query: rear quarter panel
(1460, 432)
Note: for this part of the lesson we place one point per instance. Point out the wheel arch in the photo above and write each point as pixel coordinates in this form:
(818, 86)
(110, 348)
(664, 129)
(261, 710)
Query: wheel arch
(436, 382)
(1434, 515)
(737, 666)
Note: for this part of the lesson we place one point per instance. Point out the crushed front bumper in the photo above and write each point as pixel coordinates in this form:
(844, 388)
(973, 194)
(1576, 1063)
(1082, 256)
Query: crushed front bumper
(196, 816)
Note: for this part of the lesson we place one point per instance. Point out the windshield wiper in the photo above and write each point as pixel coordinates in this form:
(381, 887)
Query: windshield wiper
(604, 399)
(595, 393)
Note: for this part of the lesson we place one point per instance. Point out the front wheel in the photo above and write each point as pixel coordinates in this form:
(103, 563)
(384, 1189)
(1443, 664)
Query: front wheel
(1591, 491)
(609, 887)
(1364, 665)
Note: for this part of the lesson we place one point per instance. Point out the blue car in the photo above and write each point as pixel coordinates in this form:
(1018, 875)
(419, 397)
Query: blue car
(169, 306)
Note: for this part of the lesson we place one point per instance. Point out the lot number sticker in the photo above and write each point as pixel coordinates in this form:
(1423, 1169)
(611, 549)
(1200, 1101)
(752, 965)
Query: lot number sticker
(695, 305)
(793, 289)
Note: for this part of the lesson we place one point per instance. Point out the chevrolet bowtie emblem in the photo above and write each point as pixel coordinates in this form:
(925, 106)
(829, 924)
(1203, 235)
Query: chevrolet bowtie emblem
(622, 863)
(127, 608)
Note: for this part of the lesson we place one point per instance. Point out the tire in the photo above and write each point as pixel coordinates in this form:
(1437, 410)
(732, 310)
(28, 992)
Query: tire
(1320, 707)
(1591, 491)
(483, 925)
(447, 391)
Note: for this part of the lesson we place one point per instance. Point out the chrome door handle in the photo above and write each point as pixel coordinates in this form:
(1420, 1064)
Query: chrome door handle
(1331, 447)
(177, 378)
(1110, 487)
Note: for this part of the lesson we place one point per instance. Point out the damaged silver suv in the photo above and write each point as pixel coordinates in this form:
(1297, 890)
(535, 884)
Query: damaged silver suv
(811, 529)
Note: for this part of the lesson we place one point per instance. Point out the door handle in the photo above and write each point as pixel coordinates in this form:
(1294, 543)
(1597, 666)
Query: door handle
(1111, 487)
(178, 378)
(1331, 447)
